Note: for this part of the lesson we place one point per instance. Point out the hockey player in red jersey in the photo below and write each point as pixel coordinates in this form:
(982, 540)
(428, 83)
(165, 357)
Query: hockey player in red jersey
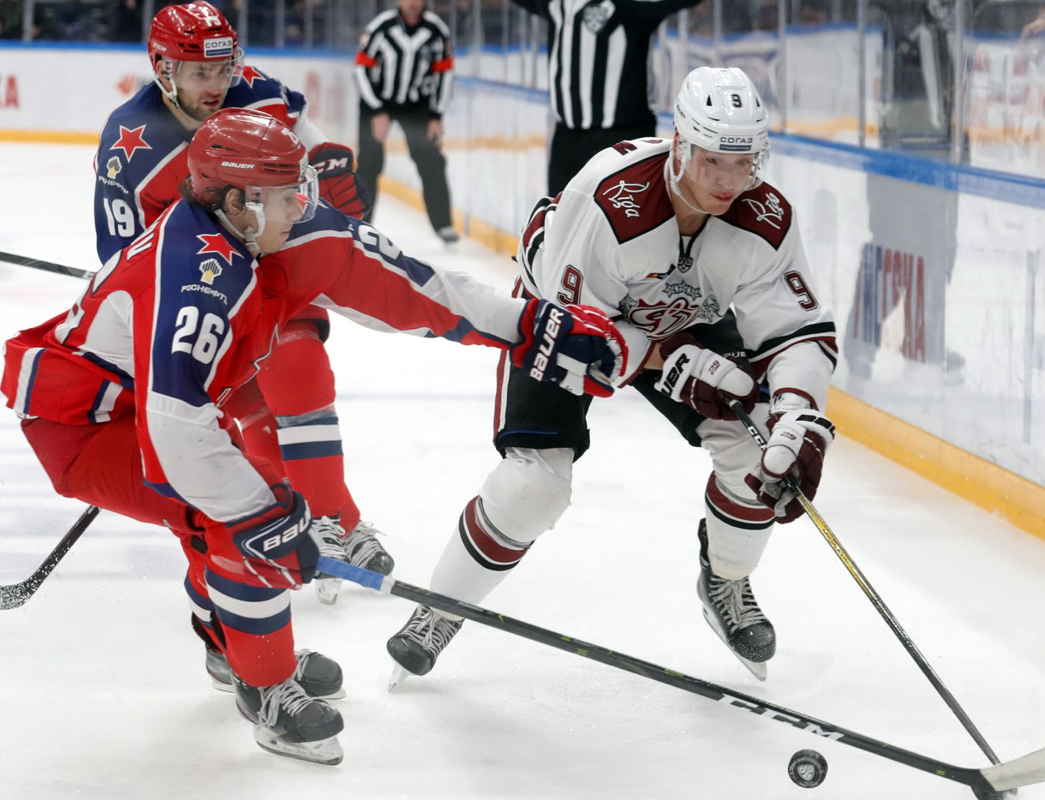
(199, 68)
(700, 263)
(123, 396)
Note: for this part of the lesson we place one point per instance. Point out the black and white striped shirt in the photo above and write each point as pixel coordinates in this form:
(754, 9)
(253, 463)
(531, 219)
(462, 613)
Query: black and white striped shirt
(400, 65)
(599, 60)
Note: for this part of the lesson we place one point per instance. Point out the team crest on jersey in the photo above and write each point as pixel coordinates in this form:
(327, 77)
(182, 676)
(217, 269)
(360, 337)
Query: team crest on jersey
(251, 74)
(622, 196)
(216, 243)
(131, 140)
(209, 270)
(597, 15)
(661, 320)
(113, 167)
(769, 212)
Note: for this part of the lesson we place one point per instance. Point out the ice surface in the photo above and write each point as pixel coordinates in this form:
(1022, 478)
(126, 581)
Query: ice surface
(103, 692)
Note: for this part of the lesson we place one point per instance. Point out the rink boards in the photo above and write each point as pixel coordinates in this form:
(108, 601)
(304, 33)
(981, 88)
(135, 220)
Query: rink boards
(934, 272)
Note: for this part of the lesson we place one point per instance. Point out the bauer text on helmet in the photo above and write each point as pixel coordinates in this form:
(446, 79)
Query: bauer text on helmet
(257, 154)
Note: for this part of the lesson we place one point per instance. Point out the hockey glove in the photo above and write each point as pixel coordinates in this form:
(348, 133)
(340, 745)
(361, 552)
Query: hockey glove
(277, 545)
(797, 444)
(704, 380)
(576, 347)
(338, 183)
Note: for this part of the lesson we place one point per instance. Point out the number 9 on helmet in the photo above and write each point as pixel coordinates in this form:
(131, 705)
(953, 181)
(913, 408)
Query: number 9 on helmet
(722, 134)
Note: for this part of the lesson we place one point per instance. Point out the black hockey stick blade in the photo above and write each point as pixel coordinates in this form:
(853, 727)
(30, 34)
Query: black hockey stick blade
(17, 594)
(46, 266)
(869, 591)
(1019, 772)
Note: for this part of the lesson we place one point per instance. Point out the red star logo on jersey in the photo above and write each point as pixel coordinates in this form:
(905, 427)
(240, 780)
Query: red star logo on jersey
(250, 75)
(131, 140)
(217, 243)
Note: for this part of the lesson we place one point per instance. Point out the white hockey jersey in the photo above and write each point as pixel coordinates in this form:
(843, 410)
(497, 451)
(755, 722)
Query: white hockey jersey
(611, 240)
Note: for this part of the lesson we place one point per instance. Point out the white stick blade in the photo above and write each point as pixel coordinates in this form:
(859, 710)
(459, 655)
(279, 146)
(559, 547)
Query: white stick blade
(1021, 771)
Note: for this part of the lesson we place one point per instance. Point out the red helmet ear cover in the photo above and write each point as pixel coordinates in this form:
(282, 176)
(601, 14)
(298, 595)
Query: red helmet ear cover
(241, 147)
(191, 32)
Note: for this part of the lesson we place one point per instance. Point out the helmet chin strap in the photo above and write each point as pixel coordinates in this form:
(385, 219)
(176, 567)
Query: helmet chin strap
(250, 235)
(675, 177)
(171, 95)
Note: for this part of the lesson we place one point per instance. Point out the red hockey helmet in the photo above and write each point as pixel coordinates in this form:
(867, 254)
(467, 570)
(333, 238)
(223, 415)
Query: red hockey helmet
(255, 152)
(193, 32)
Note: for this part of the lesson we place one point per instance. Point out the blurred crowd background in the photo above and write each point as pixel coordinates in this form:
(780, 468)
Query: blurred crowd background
(872, 73)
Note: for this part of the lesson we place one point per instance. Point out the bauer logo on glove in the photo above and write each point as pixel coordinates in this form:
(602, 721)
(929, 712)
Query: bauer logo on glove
(277, 546)
(704, 380)
(576, 347)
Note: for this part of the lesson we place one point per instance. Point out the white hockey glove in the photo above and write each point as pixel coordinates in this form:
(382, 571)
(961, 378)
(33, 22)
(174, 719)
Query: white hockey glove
(705, 381)
(797, 444)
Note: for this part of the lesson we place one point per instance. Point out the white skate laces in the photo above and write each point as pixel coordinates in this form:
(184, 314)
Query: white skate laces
(430, 630)
(287, 695)
(330, 535)
(361, 545)
(735, 601)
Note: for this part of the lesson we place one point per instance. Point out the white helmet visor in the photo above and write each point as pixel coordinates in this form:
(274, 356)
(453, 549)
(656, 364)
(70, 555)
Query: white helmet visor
(721, 173)
(282, 204)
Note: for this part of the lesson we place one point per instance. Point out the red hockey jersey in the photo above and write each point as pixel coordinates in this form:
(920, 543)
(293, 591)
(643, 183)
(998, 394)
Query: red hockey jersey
(170, 327)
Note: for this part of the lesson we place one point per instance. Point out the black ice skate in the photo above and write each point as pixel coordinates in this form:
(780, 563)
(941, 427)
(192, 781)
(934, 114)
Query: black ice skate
(318, 675)
(419, 643)
(360, 548)
(732, 612)
(289, 723)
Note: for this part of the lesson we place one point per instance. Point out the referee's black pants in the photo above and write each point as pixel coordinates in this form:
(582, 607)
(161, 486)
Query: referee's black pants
(572, 149)
(430, 162)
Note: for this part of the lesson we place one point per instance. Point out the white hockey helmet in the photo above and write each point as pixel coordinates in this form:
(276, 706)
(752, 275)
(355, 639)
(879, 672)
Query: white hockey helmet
(719, 110)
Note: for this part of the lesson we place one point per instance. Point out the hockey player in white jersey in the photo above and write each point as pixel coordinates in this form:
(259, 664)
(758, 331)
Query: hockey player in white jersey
(701, 265)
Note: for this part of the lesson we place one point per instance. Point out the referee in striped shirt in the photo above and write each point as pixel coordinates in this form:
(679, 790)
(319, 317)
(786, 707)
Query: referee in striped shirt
(404, 68)
(598, 71)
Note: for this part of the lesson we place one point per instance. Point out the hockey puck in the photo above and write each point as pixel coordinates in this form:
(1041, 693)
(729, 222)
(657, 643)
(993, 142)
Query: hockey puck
(807, 768)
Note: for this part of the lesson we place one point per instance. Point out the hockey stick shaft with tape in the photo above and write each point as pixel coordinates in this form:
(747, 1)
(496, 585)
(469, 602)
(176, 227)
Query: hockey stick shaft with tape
(872, 595)
(17, 594)
(1020, 772)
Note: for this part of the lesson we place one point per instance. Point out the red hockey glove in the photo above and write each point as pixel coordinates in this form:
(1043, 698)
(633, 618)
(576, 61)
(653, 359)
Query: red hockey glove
(797, 444)
(576, 347)
(277, 546)
(338, 183)
(704, 380)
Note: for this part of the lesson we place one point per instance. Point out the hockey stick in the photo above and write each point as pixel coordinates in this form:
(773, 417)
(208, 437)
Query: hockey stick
(46, 266)
(872, 595)
(17, 594)
(986, 783)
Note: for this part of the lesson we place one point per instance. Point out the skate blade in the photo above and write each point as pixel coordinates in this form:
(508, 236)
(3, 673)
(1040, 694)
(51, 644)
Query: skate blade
(325, 751)
(228, 688)
(756, 668)
(338, 695)
(327, 590)
(398, 677)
